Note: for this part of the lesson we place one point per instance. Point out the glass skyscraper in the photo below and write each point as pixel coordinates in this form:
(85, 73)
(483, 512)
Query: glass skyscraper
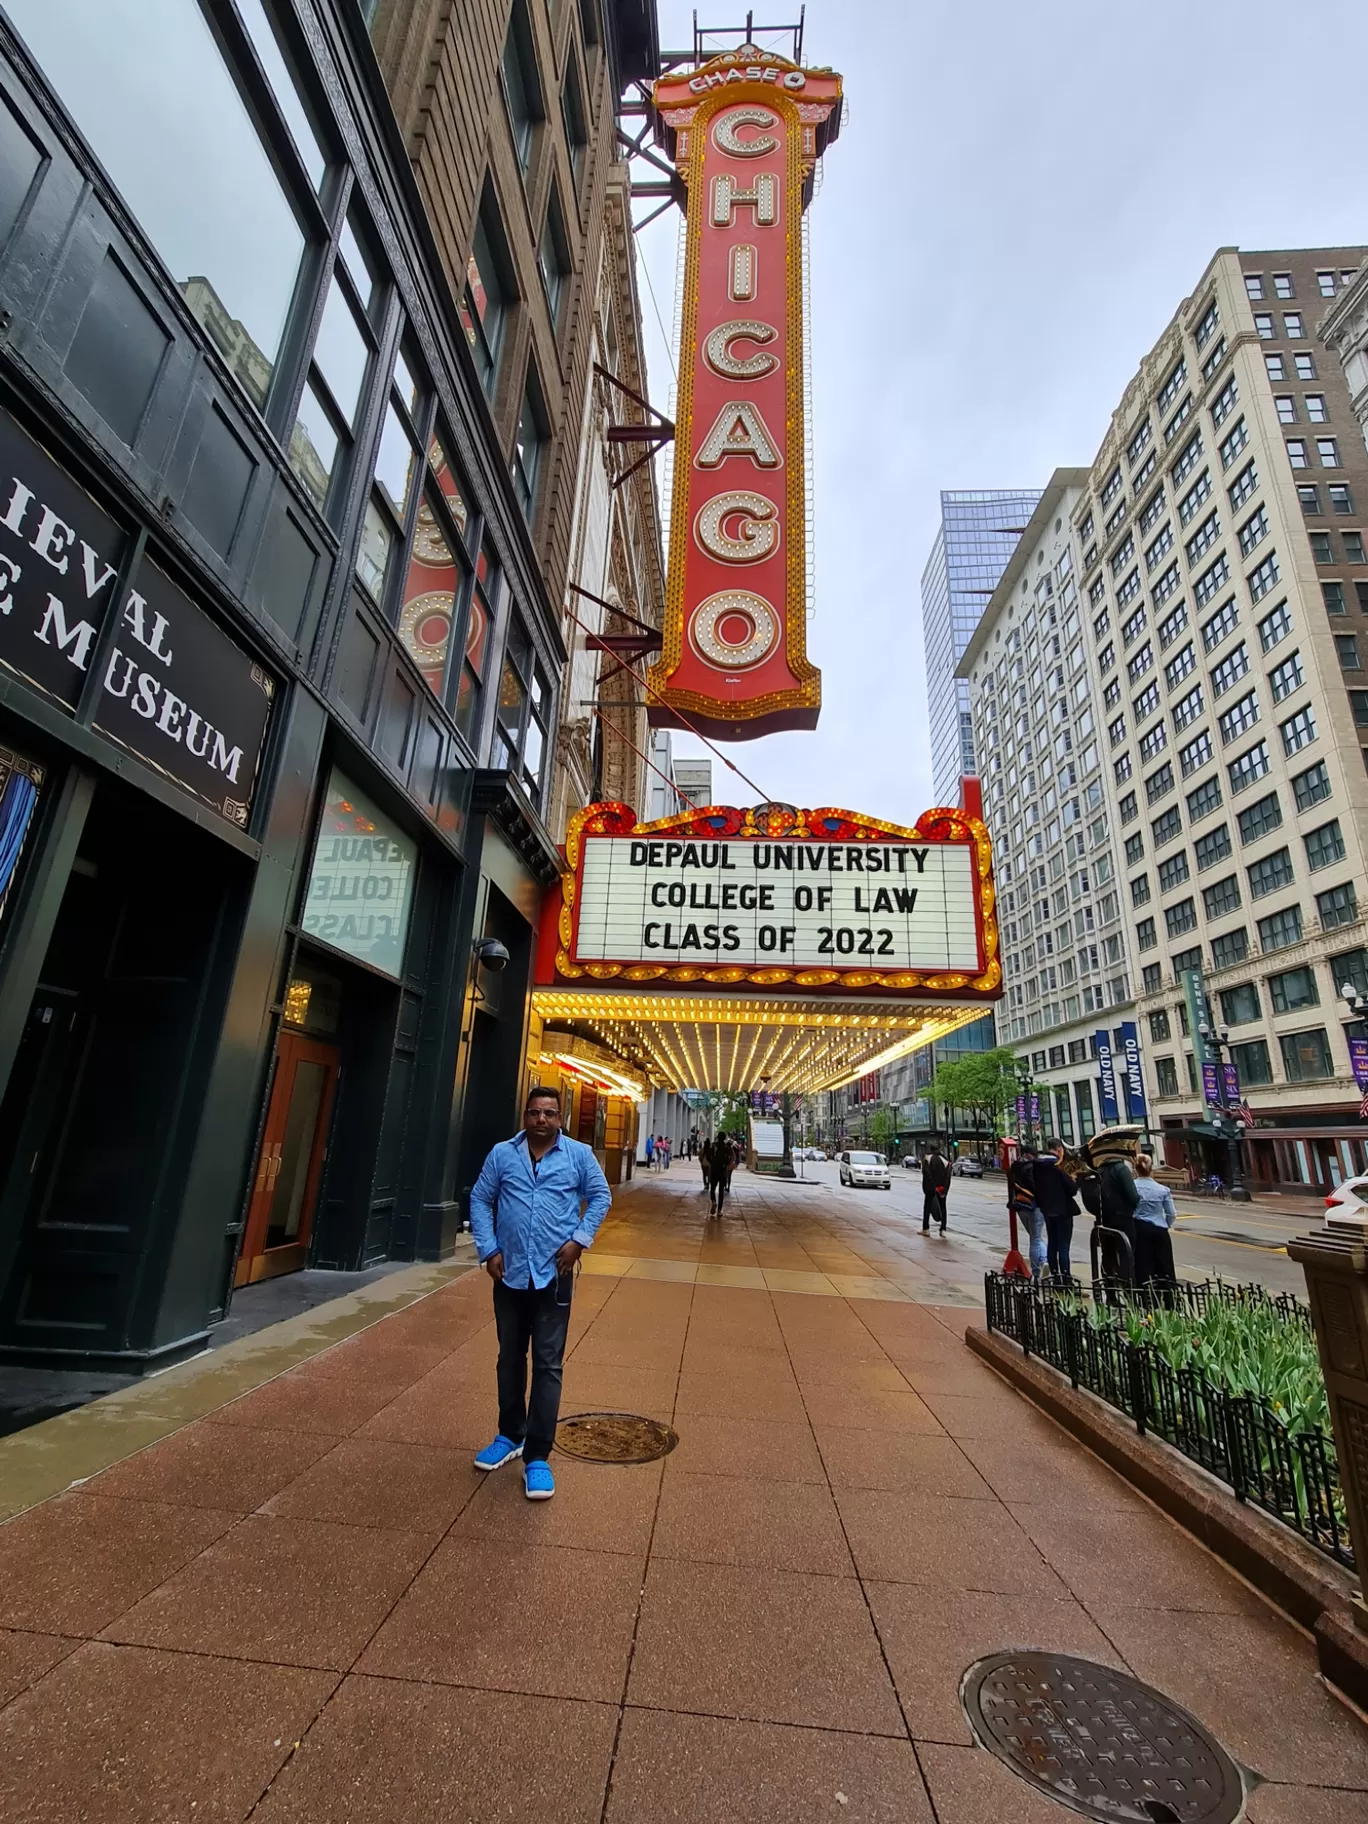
(978, 532)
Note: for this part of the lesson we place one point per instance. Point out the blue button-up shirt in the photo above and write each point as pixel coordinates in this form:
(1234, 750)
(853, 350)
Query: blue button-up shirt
(526, 1209)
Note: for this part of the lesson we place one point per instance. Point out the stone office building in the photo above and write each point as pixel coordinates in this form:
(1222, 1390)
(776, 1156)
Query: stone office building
(279, 673)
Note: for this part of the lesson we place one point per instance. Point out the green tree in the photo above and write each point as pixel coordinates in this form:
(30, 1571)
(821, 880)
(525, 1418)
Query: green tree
(983, 1083)
(883, 1128)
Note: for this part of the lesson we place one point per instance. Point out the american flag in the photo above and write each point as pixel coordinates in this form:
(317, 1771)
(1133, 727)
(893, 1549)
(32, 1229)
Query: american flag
(1243, 1112)
(1363, 1107)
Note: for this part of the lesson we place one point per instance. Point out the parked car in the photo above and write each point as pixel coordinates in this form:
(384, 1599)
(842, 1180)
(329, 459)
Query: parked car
(967, 1168)
(911, 1163)
(1349, 1201)
(865, 1168)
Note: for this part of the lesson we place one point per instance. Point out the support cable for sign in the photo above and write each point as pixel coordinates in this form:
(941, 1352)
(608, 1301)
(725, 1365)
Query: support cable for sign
(613, 729)
(596, 639)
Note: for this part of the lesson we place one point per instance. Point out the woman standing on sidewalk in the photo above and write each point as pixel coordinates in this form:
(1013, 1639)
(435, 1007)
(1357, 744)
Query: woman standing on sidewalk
(1154, 1217)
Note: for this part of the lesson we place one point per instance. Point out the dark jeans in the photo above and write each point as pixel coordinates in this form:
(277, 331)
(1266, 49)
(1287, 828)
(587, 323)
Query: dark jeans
(933, 1205)
(718, 1186)
(1058, 1235)
(1154, 1255)
(522, 1316)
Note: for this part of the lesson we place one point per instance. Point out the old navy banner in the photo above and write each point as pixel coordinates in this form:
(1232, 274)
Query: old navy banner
(1134, 1080)
(1111, 1110)
(1358, 1058)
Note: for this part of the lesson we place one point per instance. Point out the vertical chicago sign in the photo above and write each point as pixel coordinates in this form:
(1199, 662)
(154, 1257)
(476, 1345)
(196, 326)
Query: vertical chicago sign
(745, 131)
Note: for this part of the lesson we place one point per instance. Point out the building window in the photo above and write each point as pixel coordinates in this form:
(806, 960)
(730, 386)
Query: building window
(1293, 327)
(1149, 517)
(1306, 1055)
(1151, 978)
(1353, 547)
(1122, 769)
(1129, 808)
(553, 256)
(1263, 324)
(1203, 538)
(1315, 408)
(1206, 799)
(1297, 454)
(1249, 767)
(529, 445)
(1274, 365)
(1180, 666)
(1326, 283)
(1327, 449)
(524, 712)
(1222, 623)
(488, 293)
(521, 84)
(1146, 703)
(1347, 652)
(1240, 1004)
(1350, 967)
(1341, 499)
(1154, 743)
(1183, 960)
(573, 115)
(1244, 485)
(1140, 662)
(1298, 731)
(1168, 582)
(1253, 532)
(1225, 401)
(1324, 846)
(1361, 591)
(1337, 907)
(1268, 875)
(1116, 731)
(1214, 360)
(1135, 845)
(1260, 818)
(1189, 457)
(1159, 1025)
(1333, 595)
(1321, 552)
(1239, 717)
(1206, 327)
(1293, 990)
(1234, 443)
(1309, 496)
(1188, 708)
(1311, 787)
(1166, 1076)
(1287, 677)
(1230, 948)
(1280, 929)
(1305, 366)
(1106, 659)
(1173, 872)
(1232, 668)
(1136, 447)
(1254, 285)
(1146, 937)
(1140, 891)
(1212, 847)
(1286, 407)
(1180, 919)
(1211, 581)
(1170, 627)
(1262, 579)
(1222, 897)
(1252, 1062)
(1358, 708)
(1165, 828)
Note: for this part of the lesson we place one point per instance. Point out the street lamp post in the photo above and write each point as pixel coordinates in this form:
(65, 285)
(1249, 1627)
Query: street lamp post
(1230, 1127)
(1027, 1082)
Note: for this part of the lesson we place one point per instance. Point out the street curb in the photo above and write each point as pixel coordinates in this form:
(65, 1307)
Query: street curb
(1310, 1589)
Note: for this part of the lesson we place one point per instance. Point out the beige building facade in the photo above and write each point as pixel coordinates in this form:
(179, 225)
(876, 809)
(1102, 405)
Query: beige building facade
(1212, 652)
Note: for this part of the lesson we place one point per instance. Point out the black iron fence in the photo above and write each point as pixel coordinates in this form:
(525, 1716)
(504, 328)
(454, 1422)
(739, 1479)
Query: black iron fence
(1239, 1438)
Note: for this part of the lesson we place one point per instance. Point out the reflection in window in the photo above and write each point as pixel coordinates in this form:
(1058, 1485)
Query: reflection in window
(484, 303)
(283, 88)
(313, 447)
(430, 592)
(147, 85)
(471, 686)
(524, 710)
(340, 352)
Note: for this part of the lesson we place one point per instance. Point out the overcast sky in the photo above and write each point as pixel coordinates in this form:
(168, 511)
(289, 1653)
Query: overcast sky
(1019, 199)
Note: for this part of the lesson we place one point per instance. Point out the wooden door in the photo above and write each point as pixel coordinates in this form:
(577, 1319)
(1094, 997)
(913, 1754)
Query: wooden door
(290, 1164)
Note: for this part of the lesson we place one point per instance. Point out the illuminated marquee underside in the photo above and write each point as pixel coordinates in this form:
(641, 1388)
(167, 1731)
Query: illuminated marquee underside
(745, 130)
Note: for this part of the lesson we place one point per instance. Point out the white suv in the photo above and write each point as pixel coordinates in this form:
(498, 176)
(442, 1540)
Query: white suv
(865, 1168)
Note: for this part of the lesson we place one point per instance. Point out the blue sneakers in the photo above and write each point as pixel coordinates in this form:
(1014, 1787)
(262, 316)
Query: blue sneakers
(538, 1482)
(495, 1455)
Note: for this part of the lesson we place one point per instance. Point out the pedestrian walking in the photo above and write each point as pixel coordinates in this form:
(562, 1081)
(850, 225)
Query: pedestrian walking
(1054, 1195)
(935, 1188)
(535, 1208)
(1021, 1197)
(1154, 1218)
(650, 1151)
(722, 1165)
(705, 1152)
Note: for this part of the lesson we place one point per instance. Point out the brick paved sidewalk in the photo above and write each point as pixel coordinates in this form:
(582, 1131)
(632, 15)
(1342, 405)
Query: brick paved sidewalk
(306, 1606)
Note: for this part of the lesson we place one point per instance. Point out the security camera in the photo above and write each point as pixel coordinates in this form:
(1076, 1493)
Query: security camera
(491, 954)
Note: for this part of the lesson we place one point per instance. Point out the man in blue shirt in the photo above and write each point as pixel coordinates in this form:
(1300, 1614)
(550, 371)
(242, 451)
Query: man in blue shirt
(535, 1208)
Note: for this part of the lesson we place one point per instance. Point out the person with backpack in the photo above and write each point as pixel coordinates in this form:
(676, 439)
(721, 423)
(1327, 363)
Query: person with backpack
(1054, 1193)
(1021, 1198)
(935, 1185)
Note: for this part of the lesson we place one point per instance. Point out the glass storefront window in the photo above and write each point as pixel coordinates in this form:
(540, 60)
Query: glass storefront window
(340, 352)
(264, 42)
(146, 83)
(471, 686)
(431, 589)
(20, 780)
(313, 447)
(361, 880)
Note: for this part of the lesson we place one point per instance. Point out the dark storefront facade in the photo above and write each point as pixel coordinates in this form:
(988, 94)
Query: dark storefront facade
(275, 682)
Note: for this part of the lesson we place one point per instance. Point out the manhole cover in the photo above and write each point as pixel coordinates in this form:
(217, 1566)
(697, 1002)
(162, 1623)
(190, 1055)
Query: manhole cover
(1100, 1742)
(614, 1437)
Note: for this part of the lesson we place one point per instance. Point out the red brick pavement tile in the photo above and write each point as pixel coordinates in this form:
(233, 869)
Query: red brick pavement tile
(996, 1413)
(307, 1402)
(723, 1396)
(970, 1786)
(649, 1354)
(1048, 1472)
(599, 1507)
(898, 1412)
(771, 1646)
(913, 1463)
(223, 1466)
(372, 1482)
(766, 1366)
(783, 1526)
(439, 1414)
(397, 1365)
(1142, 1562)
(855, 1377)
(514, 1618)
(74, 1564)
(967, 1545)
(713, 1771)
(932, 1636)
(117, 1735)
(1305, 1805)
(24, 1658)
(591, 1389)
(386, 1751)
(1252, 1680)
(774, 1450)
(296, 1592)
